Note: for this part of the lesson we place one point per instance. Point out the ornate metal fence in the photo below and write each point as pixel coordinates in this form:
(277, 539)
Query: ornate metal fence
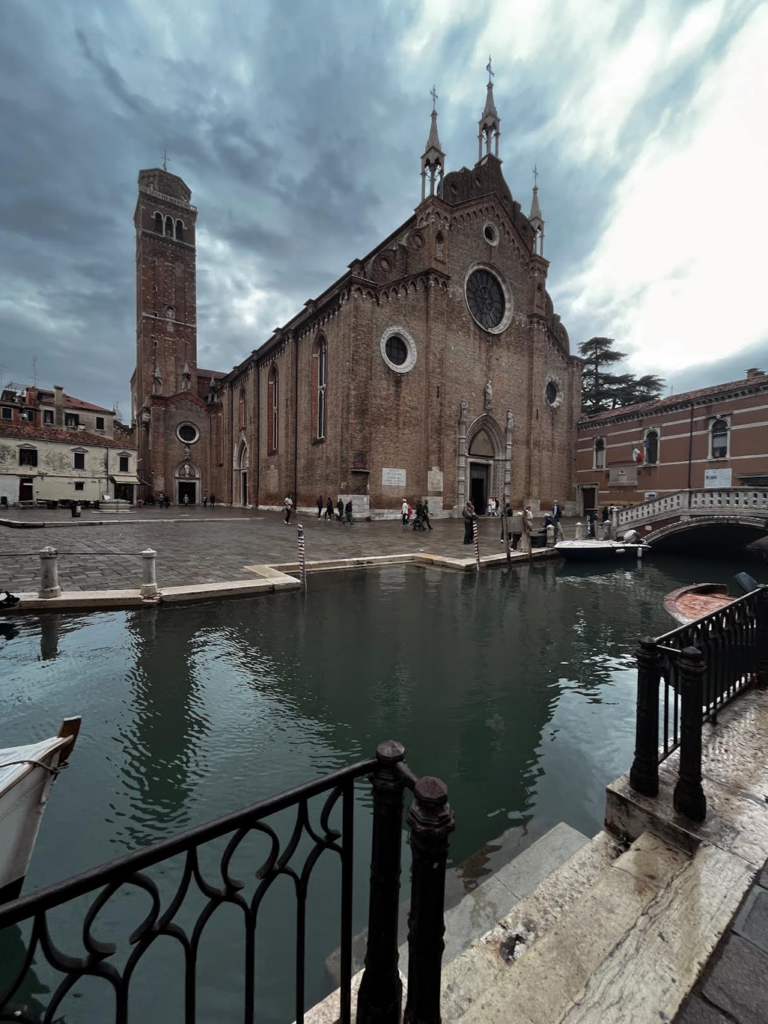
(684, 678)
(429, 819)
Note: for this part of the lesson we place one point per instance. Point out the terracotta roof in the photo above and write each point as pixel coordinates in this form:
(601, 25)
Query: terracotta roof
(73, 403)
(210, 373)
(74, 438)
(671, 401)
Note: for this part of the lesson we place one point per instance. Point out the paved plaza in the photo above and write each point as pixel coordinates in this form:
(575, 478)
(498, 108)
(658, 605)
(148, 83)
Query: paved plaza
(197, 545)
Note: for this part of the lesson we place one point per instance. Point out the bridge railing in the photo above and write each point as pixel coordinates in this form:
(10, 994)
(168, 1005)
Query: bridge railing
(684, 678)
(194, 878)
(742, 499)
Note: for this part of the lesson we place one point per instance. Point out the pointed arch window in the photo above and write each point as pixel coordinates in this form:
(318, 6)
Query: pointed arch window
(169, 226)
(599, 456)
(159, 223)
(319, 386)
(652, 447)
(273, 405)
(719, 432)
(243, 409)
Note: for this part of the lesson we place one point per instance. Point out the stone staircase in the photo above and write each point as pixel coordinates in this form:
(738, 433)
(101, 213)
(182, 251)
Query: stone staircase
(610, 936)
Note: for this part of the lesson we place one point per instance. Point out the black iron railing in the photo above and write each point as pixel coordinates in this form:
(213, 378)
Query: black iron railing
(430, 820)
(684, 678)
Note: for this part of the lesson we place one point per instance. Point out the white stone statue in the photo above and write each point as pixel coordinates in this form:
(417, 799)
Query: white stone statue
(488, 395)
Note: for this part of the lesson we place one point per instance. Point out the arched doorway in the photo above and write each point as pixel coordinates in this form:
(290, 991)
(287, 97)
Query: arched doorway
(187, 483)
(483, 462)
(242, 469)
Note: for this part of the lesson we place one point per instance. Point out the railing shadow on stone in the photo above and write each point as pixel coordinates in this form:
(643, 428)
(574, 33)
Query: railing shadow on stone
(684, 678)
(429, 819)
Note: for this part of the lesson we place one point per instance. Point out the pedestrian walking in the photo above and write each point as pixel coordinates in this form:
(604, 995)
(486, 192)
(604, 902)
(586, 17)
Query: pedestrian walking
(328, 511)
(186, 499)
(508, 513)
(515, 529)
(404, 512)
(288, 506)
(469, 516)
(320, 504)
(205, 501)
(348, 511)
(426, 514)
(340, 510)
(213, 500)
(557, 515)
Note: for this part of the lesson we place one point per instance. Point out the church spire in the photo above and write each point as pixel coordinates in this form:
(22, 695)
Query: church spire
(433, 159)
(535, 218)
(490, 121)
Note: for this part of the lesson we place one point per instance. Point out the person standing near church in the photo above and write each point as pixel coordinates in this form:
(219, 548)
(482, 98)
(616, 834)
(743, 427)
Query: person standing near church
(469, 516)
(328, 511)
(557, 515)
(340, 510)
(213, 500)
(319, 505)
(426, 514)
(288, 506)
(404, 512)
(348, 511)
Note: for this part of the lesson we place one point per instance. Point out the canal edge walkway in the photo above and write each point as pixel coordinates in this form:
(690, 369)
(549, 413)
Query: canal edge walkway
(272, 578)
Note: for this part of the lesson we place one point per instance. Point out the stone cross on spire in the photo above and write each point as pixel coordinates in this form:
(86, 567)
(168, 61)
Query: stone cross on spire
(433, 159)
(489, 121)
(535, 217)
(165, 160)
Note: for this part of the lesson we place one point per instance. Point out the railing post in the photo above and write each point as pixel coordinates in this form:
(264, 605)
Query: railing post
(431, 822)
(49, 573)
(689, 796)
(380, 997)
(149, 579)
(762, 636)
(644, 774)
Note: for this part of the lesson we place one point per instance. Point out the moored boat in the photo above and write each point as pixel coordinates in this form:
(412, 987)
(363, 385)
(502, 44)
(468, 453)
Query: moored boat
(686, 604)
(596, 550)
(26, 776)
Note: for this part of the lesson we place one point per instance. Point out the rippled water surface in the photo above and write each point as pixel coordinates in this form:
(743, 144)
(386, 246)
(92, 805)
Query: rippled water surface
(516, 688)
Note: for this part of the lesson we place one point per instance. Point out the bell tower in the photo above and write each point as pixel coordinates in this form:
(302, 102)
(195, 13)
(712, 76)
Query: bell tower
(166, 304)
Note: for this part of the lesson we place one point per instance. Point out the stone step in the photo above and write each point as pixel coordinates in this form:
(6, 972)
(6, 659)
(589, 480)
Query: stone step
(626, 949)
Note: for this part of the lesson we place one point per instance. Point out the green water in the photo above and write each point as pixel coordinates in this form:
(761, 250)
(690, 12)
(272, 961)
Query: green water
(517, 689)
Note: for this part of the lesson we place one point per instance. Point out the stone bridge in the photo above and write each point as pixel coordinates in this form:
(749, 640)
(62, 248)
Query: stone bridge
(702, 518)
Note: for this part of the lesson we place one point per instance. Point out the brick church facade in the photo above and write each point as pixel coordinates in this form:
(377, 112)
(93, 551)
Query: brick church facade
(434, 367)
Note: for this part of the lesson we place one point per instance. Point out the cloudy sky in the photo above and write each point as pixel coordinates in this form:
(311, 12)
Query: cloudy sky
(299, 124)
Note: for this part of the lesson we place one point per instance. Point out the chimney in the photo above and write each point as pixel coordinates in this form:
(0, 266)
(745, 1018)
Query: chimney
(754, 372)
(31, 398)
(58, 403)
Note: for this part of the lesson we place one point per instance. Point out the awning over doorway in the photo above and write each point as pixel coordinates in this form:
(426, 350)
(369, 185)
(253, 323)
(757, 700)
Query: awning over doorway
(124, 478)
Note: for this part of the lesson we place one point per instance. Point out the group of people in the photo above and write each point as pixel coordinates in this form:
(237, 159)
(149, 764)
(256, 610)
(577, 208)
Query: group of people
(517, 523)
(420, 514)
(325, 509)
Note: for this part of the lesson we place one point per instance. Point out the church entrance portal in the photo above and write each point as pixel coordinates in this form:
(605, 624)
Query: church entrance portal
(479, 482)
(187, 488)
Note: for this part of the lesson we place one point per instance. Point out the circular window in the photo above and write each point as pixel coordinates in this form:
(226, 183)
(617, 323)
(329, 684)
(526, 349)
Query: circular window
(490, 234)
(418, 240)
(552, 392)
(384, 263)
(486, 299)
(187, 433)
(398, 349)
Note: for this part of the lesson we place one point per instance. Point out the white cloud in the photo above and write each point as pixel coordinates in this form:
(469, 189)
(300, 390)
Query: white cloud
(678, 273)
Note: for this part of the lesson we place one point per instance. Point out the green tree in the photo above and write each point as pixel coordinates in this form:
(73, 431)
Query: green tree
(598, 386)
(602, 390)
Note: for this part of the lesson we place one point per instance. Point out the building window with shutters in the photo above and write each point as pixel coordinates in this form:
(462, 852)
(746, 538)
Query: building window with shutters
(78, 460)
(652, 447)
(599, 453)
(27, 456)
(719, 431)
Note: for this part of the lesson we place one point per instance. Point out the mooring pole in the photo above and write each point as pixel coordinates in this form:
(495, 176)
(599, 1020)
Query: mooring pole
(476, 540)
(302, 557)
(505, 530)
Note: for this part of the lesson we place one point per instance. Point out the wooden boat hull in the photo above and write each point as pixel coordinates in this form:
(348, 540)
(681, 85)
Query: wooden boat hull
(26, 775)
(686, 604)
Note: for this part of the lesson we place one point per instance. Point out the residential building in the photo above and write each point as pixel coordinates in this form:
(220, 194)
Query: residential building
(54, 447)
(714, 437)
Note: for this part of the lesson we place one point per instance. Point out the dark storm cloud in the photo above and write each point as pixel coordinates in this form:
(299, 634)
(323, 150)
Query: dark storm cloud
(298, 128)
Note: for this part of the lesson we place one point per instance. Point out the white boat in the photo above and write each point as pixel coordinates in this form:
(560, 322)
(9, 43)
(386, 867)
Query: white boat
(597, 550)
(26, 776)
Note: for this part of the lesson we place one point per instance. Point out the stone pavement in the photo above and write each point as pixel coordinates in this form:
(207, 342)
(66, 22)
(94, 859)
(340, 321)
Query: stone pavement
(198, 545)
(733, 988)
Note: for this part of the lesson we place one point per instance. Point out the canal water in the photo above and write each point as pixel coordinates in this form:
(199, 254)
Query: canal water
(516, 688)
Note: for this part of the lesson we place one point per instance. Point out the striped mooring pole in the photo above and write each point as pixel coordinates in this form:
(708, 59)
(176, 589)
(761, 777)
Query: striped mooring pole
(302, 557)
(477, 545)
